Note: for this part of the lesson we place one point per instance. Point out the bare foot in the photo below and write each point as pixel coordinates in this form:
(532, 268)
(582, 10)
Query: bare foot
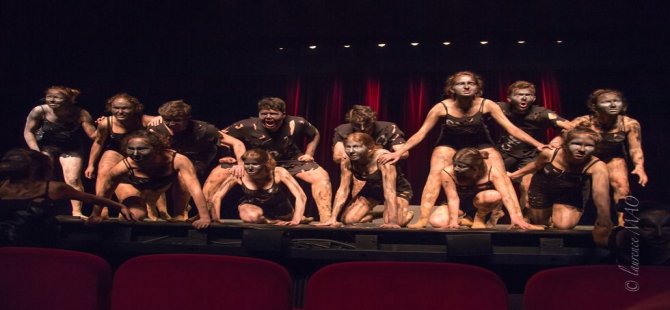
(79, 215)
(408, 218)
(465, 221)
(495, 216)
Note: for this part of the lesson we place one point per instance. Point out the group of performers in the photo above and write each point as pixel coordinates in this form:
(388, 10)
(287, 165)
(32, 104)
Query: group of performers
(155, 165)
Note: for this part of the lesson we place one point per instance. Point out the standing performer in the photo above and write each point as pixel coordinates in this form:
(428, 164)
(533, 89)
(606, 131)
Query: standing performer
(361, 118)
(55, 128)
(126, 117)
(147, 173)
(383, 184)
(477, 188)
(617, 130)
(463, 127)
(556, 193)
(279, 135)
(266, 190)
(532, 119)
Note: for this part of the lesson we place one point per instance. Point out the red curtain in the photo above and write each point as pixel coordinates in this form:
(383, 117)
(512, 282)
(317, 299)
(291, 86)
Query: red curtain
(550, 97)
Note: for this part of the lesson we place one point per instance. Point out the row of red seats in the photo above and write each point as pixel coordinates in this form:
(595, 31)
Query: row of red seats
(36, 278)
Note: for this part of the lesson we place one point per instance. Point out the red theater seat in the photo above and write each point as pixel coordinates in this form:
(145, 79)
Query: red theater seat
(594, 287)
(198, 281)
(404, 285)
(38, 278)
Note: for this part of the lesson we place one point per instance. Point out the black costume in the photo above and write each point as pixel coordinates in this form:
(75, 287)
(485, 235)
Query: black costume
(149, 183)
(552, 185)
(386, 134)
(28, 220)
(113, 141)
(60, 138)
(534, 121)
(467, 193)
(199, 142)
(281, 144)
(274, 201)
(374, 189)
(467, 131)
(613, 144)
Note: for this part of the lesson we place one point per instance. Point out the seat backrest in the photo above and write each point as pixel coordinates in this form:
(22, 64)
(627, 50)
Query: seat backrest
(594, 287)
(40, 278)
(404, 285)
(199, 281)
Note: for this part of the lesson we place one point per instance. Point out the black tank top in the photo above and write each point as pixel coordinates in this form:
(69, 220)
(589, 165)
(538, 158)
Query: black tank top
(612, 144)
(261, 196)
(66, 135)
(149, 183)
(472, 190)
(114, 139)
(466, 131)
(567, 180)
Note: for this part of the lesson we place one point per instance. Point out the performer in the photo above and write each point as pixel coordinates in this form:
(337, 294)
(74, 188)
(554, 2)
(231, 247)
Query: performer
(55, 128)
(556, 188)
(361, 118)
(533, 119)
(383, 184)
(266, 190)
(126, 117)
(608, 108)
(279, 134)
(477, 188)
(464, 126)
(27, 197)
(199, 141)
(146, 173)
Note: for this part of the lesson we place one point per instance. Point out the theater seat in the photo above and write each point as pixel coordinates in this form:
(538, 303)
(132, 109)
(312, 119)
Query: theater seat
(404, 285)
(594, 287)
(39, 278)
(198, 281)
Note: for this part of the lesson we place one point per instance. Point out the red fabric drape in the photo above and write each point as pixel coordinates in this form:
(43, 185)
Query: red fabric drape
(550, 97)
(373, 93)
(293, 97)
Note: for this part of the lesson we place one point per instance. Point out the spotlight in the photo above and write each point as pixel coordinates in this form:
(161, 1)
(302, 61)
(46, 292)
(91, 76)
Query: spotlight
(381, 44)
(281, 48)
(446, 43)
(483, 42)
(559, 41)
(312, 47)
(347, 46)
(414, 43)
(521, 42)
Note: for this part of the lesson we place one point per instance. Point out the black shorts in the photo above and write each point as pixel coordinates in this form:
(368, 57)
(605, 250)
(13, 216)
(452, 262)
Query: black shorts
(513, 163)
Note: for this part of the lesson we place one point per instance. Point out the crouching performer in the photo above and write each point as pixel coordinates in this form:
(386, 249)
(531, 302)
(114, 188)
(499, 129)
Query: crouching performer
(146, 173)
(478, 189)
(266, 189)
(556, 194)
(383, 184)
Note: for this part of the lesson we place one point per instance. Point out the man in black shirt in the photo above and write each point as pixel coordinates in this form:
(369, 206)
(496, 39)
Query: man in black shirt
(534, 120)
(279, 134)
